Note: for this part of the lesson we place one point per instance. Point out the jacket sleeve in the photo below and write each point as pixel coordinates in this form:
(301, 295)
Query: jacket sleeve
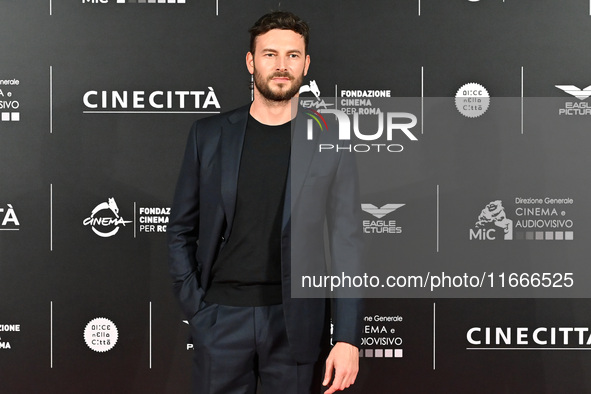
(183, 231)
(346, 249)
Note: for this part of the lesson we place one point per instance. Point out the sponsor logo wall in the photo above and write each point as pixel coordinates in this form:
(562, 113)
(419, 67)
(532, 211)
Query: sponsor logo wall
(472, 151)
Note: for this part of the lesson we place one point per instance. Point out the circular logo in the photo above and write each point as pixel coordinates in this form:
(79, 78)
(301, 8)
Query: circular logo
(472, 100)
(101, 334)
(105, 219)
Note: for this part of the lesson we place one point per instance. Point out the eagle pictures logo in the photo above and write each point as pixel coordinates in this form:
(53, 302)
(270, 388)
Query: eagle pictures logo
(573, 108)
(380, 225)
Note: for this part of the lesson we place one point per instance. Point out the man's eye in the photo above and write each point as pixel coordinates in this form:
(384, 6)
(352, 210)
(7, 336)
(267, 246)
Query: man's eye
(293, 56)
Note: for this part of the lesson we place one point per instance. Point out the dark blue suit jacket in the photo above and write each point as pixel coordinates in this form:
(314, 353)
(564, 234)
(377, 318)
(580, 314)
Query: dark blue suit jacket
(321, 188)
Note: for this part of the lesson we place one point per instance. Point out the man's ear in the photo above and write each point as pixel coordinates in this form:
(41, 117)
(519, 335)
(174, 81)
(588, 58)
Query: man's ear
(250, 62)
(306, 65)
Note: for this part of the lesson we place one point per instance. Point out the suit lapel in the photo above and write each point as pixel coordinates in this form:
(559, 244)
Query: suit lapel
(232, 139)
(302, 152)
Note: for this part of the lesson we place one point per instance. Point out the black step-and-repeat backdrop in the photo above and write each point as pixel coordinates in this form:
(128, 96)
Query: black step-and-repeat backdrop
(475, 210)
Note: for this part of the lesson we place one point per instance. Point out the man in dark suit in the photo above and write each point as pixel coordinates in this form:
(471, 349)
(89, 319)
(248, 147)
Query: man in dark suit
(251, 204)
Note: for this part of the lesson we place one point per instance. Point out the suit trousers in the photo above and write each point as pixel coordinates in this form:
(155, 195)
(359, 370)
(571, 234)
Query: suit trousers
(238, 348)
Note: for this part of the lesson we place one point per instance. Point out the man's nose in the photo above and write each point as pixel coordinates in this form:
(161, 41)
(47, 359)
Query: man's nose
(281, 64)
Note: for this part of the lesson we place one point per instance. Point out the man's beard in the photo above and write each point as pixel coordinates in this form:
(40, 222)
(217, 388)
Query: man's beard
(263, 86)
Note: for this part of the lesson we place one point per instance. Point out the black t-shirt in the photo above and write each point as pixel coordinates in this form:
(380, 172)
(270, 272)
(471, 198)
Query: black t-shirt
(247, 271)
